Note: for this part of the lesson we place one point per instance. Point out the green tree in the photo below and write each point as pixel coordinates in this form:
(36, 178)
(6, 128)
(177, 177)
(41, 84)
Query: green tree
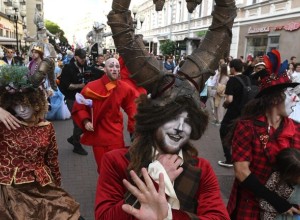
(55, 29)
(168, 47)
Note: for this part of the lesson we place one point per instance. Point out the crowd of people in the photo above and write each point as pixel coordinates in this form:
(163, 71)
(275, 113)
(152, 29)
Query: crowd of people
(159, 176)
(257, 138)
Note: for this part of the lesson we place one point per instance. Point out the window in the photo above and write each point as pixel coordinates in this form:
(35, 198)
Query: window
(273, 42)
(256, 45)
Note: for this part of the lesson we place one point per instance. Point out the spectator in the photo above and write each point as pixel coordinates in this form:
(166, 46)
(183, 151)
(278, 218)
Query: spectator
(169, 64)
(9, 57)
(219, 98)
(293, 60)
(233, 99)
(72, 81)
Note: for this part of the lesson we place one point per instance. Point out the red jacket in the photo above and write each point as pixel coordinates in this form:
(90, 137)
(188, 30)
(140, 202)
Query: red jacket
(29, 154)
(248, 145)
(108, 97)
(110, 191)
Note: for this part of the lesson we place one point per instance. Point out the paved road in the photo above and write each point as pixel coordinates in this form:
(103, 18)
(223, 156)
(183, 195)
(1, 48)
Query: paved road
(79, 173)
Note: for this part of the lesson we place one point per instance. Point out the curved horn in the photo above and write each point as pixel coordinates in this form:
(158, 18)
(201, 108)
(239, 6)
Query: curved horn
(145, 68)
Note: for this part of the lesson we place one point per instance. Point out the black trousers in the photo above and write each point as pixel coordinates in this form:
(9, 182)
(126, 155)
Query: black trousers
(225, 130)
(76, 130)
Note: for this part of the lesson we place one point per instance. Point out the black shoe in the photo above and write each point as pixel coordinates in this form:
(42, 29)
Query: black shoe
(70, 140)
(78, 149)
(225, 163)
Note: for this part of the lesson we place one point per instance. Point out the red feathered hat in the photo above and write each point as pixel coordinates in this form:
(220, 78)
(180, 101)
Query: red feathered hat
(274, 77)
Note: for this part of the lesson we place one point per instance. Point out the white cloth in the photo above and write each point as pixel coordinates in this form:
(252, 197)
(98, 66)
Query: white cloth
(295, 77)
(211, 81)
(154, 169)
(296, 113)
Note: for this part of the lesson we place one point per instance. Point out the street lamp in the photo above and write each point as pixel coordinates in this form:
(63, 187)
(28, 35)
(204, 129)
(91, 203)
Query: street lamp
(12, 13)
(135, 19)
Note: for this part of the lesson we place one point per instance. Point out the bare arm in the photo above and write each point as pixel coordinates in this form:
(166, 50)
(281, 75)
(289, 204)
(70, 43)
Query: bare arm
(228, 100)
(241, 170)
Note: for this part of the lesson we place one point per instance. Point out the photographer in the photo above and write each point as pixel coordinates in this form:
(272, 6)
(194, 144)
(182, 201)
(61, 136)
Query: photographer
(73, 79)
(92, 73)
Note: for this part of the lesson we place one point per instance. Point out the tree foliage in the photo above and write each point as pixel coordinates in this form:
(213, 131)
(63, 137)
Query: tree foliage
(168, 47)
(54, 29)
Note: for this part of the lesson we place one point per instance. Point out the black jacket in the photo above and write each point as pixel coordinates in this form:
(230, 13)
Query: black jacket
(71, 75)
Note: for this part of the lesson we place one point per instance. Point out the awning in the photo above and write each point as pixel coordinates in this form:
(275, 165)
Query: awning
(7, 41)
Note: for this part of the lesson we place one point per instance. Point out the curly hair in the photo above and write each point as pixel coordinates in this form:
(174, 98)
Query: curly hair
(288, 164)
(34, 98)
(149, 118)
(256, 107)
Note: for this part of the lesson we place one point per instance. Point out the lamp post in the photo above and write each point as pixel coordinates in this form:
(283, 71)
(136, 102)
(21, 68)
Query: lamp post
(141, 18)
(12, 13)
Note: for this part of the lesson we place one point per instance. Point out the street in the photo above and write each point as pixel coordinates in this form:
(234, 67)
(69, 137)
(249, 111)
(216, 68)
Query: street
(79, 175)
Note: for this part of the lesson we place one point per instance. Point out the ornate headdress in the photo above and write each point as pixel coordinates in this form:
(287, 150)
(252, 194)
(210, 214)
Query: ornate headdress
(274, 77)
(14, 79)
(38, 48)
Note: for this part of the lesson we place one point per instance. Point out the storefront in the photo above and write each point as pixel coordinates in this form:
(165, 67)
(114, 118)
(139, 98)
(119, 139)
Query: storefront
(263, 37)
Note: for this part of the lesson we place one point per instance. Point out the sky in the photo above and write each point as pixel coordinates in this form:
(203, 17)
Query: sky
(68, 13)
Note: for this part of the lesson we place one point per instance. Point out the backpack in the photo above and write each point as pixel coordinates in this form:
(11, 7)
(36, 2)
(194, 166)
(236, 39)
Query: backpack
(249, 90)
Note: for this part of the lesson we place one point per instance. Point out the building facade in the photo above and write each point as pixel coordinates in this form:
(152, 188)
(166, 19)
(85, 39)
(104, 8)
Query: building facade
(260, 26)
(8, 30)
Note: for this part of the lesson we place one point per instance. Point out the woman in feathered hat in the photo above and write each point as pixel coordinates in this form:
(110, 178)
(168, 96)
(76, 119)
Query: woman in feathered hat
(30, 178)
(263, 130)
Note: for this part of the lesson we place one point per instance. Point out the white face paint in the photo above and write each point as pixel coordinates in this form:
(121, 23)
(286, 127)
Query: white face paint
(112, 69)
(172, 135)
(290, 101)
(24, 112)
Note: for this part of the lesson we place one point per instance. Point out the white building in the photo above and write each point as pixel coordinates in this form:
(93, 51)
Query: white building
(259, 26)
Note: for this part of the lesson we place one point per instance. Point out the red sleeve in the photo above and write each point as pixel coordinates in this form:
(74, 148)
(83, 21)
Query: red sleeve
(110, 189)
(79, 113)
(241, 142)
(51, 157)
(210, 203)
(129, 106)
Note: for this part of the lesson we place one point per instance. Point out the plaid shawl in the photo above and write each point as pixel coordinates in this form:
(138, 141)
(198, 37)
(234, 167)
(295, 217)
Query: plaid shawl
(186, 187)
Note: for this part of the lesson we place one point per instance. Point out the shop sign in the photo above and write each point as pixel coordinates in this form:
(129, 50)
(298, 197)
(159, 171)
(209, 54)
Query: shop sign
(2, 26)
(254, 30)
(292, 26)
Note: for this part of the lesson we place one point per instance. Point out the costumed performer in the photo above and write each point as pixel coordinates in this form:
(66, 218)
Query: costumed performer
(30, 179)
(263, 130)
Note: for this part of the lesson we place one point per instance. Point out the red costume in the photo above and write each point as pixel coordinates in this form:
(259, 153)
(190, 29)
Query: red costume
(29, 175)
(205, 201)
(125, 76)
(252, 143)
(29, 154)
(108, 97)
